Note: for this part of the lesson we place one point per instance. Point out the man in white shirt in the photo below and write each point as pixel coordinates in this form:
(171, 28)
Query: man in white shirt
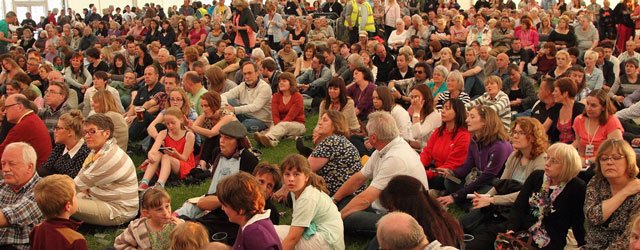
(393, 156)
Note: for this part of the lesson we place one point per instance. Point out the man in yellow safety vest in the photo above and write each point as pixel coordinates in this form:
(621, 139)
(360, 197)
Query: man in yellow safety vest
(355, 12)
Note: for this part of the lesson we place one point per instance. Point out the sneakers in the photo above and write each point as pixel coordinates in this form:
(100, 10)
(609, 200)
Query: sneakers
(263, 139)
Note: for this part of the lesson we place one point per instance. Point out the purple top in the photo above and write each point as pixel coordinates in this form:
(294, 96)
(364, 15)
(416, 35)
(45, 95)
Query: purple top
(362, 99)
(489, 160)
(260, 234)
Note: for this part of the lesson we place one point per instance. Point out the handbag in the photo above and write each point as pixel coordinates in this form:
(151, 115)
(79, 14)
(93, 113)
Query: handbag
(513, 241)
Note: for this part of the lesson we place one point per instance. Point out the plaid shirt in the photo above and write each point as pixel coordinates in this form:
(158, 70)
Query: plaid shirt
(21, 211)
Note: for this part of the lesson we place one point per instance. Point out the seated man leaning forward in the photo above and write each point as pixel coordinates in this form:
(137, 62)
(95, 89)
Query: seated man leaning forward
(393, 156)
(232, 156)
(107, 184)
(19, 213)
(251, 100)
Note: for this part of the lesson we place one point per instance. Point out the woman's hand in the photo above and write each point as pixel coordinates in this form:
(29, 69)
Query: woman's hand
(444, 172)
(445, 200)
(481, 201)
(632, 188)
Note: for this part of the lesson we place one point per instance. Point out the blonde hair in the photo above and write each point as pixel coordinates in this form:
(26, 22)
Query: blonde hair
(569, 159)
(106, 100)
(188, 236)
(52, 193)
(495, 79)
(613, 145)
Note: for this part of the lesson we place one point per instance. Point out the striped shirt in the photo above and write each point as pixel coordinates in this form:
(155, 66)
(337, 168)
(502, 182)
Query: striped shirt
(446, 95)
(500, 104)
(110, 176)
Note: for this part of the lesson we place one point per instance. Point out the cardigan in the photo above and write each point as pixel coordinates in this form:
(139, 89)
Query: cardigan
(568, 211)
(293, 111)
(348, 111)
(136, 236)
(554, 116)
(500, 104)
(510, 166)
(444, 151)
(488, 159)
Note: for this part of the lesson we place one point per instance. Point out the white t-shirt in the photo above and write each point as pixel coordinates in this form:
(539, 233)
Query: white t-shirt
(315, 206)
(397, 158)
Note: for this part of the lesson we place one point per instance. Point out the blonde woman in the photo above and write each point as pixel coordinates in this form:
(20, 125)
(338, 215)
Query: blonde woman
(563, 36)
(398, 37)
(458, 31)
(563, 64)
(447, 60)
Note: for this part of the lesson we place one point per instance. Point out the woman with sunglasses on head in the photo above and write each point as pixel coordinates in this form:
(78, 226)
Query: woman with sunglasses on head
(613, 196)
(486, 156)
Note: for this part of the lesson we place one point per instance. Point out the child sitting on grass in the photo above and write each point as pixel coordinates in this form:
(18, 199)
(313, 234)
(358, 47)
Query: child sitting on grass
(56, 198)
(188, 236)
(172, 150)
(152, 230)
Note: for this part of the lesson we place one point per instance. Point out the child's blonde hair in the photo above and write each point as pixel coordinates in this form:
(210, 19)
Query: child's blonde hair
(189, 236)
(177, 113)
(52, 193)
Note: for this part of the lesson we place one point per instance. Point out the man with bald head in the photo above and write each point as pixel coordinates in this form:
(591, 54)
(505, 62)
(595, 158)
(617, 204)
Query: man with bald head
(192, 83)
(398, 230)
(502, 63)
(19, 213)
(28, 127)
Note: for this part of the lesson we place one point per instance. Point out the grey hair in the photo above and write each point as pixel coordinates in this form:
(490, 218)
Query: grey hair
(443, 70)
(398, 230)
(355, 59)
(458, 76)
(29, 155)
(382, 124)
(257, 53)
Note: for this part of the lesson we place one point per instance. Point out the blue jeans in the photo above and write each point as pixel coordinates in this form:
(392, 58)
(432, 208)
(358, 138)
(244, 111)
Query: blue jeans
(251, 123)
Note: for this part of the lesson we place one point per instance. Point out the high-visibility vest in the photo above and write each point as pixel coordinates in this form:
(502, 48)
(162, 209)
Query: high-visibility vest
(355, 16)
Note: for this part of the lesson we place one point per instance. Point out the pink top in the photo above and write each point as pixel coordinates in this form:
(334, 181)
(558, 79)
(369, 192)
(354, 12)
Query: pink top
(601, 133)
(529, 37)
(195, 35)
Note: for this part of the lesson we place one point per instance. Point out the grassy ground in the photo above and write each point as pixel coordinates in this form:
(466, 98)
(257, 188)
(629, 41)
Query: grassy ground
(179, 194)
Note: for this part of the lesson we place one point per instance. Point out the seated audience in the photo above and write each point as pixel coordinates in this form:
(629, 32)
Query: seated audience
(70, 150)
(448, 145)
(28, 127)
(191, 235)
(208, 125)
(495, 99)
(361, 91)
(20, 212)
(485, 159)
(634, 232)
(612, 196)
(56, 103)
(232, 155)
(243, 202)
(337, 99)
(251, 100)
(455, 90)
(176, 98)
(172, 152)
(406, 194)
(519, 89)
(393, 156)
(383, 101)
(152, 229)
(313, 81)
(55, 196)
(315, 222)
(398, 230)
(143, 98)
(438, 82)
(559, 123)
(106, 184)
(100, 82)
(105, 103)
(492, 209)
(424, 117)
(287, 113)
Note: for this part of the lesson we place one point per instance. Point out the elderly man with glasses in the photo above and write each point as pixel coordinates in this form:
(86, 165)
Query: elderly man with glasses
(55, 104)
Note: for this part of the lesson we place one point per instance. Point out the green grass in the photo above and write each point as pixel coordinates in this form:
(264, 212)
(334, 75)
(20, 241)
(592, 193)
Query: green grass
(180, 194)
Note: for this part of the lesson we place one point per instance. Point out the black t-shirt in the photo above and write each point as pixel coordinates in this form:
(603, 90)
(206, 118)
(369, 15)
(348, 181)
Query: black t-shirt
(541, 113)
(144, 94)
(102, 66)
(517, 57)
(384, 67)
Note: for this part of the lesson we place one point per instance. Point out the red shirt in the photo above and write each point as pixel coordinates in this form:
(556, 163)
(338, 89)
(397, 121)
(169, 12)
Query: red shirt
(31, 129)
(293, 111)
(444, 151)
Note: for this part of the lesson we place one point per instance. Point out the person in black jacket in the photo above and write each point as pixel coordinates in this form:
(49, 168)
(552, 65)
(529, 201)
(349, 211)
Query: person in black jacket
(167, 35)
(154, 32)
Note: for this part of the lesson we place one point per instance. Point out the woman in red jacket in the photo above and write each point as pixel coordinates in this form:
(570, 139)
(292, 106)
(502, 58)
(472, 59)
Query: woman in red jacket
(448, 145)
(287, 110)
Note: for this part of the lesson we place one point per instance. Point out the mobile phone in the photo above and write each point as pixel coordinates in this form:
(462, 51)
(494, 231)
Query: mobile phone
(163, 149)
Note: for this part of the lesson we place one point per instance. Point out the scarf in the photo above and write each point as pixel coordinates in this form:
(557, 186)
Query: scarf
(542, 204)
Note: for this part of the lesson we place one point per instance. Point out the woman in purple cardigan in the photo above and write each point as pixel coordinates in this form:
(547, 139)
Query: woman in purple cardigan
(242, 201)
(488, 151)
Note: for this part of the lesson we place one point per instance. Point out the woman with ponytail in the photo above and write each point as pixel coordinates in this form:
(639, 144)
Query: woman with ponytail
(315, 222)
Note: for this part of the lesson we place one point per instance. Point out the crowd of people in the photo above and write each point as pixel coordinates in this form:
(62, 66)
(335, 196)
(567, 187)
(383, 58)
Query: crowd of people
(524, 116)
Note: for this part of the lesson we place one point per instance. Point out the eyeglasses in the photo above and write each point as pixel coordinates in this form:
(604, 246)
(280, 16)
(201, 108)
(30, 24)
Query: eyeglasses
(419, 72)
(92, 132)
(518, 132)
(9, 106)
(552, 160)
(58, 128)
(605, 158)
(175, 99)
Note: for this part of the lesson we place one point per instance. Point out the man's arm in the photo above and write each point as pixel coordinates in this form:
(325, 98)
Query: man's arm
(361, 202)
(325, 77)
(472, 71)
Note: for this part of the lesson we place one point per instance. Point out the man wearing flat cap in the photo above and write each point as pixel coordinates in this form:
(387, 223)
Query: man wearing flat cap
(232, 156)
